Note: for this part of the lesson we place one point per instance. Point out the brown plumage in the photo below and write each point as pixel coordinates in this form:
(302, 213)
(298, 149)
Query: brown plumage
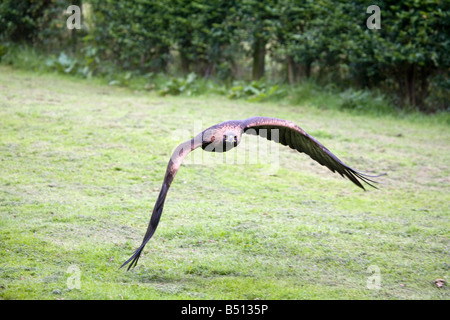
(227, 135)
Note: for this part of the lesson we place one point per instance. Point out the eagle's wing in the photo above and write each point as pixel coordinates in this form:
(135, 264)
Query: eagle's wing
(172, 168)
(289, 134)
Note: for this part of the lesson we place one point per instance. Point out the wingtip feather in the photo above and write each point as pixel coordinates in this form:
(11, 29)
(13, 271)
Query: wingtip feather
(367, 178)
(134, 258)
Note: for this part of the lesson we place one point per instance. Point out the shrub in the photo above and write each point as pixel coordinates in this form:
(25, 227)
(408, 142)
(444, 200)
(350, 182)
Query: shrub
(255, 91)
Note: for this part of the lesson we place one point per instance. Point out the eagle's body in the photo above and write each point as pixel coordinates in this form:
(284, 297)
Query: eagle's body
(224, 136)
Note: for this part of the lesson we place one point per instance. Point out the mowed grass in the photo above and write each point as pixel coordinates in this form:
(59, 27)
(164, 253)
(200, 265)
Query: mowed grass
(81, 166)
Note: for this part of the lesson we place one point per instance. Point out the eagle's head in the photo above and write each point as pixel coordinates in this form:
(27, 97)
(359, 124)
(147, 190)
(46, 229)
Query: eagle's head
(230, 140)
(217, 141)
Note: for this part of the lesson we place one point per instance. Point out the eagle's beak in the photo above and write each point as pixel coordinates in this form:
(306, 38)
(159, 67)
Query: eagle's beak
(230, 139)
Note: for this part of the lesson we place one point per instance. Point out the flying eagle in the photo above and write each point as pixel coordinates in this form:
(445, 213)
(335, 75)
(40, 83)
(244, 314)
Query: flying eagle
(224, 136)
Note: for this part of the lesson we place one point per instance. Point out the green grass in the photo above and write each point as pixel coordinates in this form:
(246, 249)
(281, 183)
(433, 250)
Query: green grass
(81, 165)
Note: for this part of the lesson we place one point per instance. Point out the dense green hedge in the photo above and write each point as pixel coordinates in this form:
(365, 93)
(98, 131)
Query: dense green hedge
(230, 39)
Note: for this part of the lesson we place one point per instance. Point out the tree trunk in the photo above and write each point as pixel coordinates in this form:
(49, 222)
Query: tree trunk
(413, 84)
(259, 55)
(290, 69)
(185, 65)
(424, 87)
(299, 72)
(163, 53)
(73, 33)
(308, 69)
(209, 70)
(185, 46)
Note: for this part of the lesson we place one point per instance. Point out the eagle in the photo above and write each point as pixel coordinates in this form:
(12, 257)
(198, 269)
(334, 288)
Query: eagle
(225, 136)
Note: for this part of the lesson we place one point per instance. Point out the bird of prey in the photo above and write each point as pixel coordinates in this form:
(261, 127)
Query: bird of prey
(224, 136)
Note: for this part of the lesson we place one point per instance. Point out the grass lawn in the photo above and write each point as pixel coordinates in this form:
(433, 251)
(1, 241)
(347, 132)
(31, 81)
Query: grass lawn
(81, 165)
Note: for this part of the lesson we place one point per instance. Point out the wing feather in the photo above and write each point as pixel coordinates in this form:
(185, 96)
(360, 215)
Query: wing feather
(293, 136)
(172, 168)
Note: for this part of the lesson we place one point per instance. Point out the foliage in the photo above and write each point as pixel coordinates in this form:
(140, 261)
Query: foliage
(203, 33)
(326, 40)
(365, 101)
(135, 34)
(40, 22)
(407, 52)
(308, 92)
(439, 92)
(255, 91)
(22, 20)
(3, 50)
(176, 86)
(62, 64)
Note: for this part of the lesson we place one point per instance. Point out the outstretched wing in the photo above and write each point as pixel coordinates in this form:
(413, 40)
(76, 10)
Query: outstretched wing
(172, 168)
(289, 134)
